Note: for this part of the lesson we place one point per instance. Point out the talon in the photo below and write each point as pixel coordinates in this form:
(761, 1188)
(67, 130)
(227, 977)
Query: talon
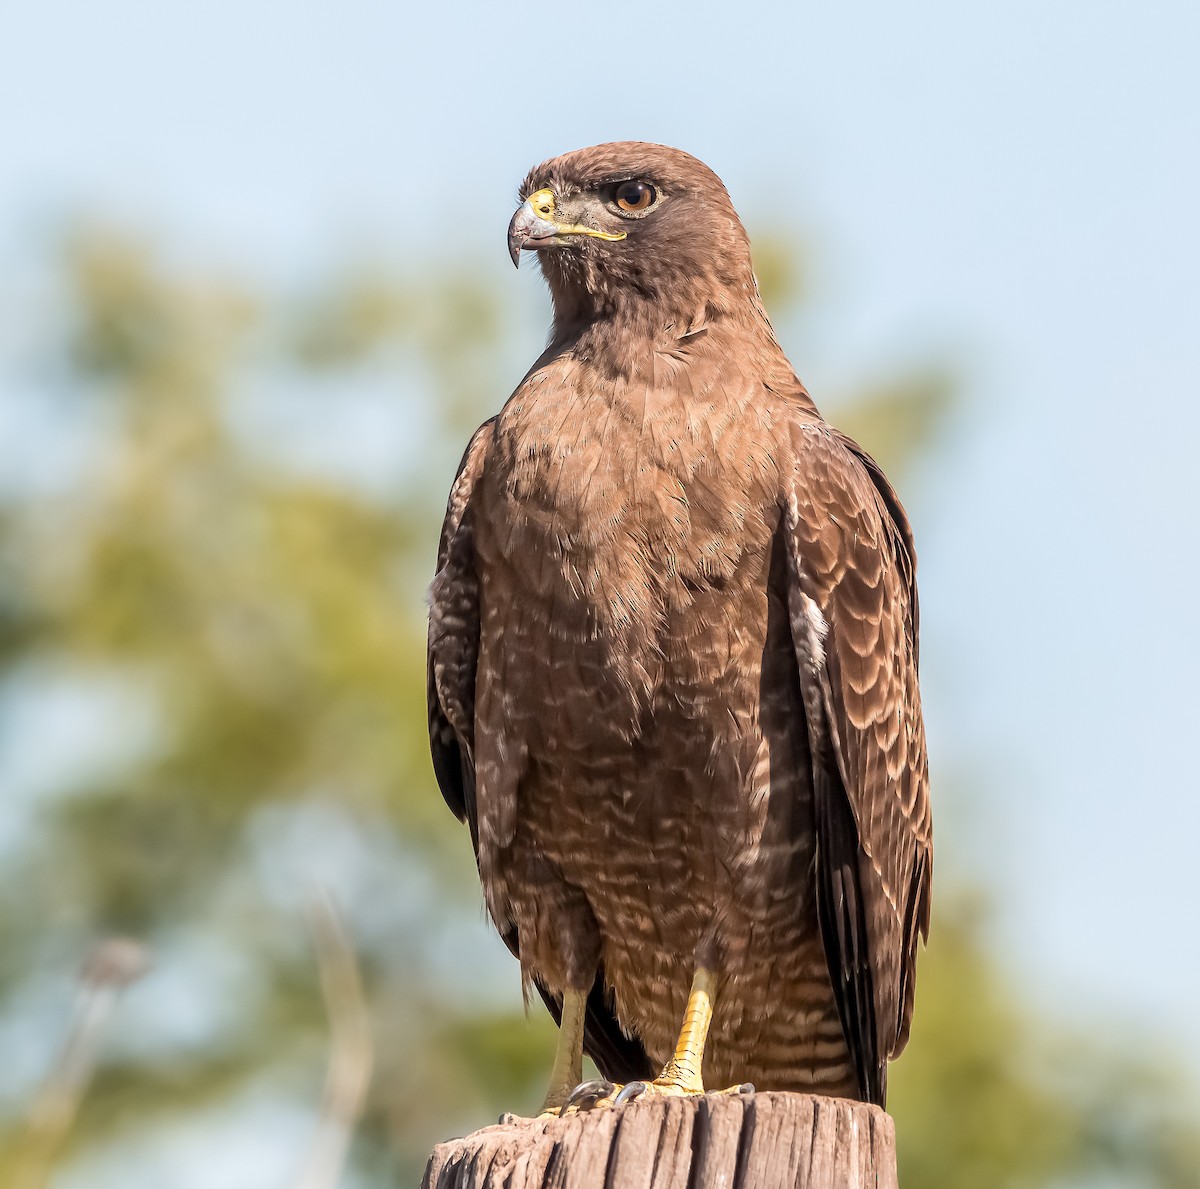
(746, 1088)
(587, 1094)
(630, 1092)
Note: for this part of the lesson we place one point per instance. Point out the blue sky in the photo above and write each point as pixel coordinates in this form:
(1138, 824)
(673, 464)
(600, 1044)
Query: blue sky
(1014, 186)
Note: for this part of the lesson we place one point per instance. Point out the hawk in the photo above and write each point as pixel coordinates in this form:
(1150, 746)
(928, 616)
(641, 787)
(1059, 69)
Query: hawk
(673, 668)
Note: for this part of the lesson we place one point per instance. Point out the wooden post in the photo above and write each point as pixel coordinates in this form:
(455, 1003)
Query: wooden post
(762, 1141)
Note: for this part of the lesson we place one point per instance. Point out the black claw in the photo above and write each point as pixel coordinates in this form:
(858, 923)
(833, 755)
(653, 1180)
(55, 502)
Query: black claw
(630, 1092)
(746, 1088)
(587, 1094)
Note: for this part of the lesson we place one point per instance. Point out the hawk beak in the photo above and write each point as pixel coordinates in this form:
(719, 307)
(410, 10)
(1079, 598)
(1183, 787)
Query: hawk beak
(534, 227)
(525, 229)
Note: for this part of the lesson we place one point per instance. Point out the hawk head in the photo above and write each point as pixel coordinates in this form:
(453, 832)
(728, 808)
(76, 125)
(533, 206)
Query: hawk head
(618, 226)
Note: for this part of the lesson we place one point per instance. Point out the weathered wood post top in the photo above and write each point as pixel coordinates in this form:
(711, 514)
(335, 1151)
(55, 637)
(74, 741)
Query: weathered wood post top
(763, 1141)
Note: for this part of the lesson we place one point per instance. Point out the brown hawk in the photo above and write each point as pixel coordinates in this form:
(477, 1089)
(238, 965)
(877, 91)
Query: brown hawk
(673, 667)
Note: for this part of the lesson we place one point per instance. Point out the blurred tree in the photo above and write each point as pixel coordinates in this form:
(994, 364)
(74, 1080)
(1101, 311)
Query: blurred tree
(247, 631)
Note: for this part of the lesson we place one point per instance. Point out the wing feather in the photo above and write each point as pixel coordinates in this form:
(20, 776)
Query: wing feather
(453, 651)
(853, 606)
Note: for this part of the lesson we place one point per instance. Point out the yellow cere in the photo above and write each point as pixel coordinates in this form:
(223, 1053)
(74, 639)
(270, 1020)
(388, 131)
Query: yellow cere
(542, 203)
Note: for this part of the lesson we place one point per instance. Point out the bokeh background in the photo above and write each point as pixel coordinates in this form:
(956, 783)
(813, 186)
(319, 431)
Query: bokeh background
(253, 298)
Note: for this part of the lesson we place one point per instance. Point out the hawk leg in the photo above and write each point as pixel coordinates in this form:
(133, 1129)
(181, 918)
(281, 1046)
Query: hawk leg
(568, 1055)
(681, 1074)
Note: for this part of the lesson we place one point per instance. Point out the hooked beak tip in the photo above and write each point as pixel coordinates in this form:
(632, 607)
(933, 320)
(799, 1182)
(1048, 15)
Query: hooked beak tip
(525, 227)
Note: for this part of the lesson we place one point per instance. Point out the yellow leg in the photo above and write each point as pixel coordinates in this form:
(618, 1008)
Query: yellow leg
(681, 1075)
(567, 1071)
(683, 1071)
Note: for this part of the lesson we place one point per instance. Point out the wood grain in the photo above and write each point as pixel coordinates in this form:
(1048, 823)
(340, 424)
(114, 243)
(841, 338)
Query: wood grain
(763, 1141)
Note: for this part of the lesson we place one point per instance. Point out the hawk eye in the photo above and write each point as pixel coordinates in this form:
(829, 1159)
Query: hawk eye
(635, 196)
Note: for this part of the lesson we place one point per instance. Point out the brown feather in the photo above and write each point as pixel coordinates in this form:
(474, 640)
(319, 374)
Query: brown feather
(673, 649)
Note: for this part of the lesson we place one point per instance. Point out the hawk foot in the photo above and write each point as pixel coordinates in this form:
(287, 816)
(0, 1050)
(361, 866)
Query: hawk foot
(588, 1095)
(600, 1092)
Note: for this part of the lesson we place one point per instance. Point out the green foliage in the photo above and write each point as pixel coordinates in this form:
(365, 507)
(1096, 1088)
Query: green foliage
(266, 625)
